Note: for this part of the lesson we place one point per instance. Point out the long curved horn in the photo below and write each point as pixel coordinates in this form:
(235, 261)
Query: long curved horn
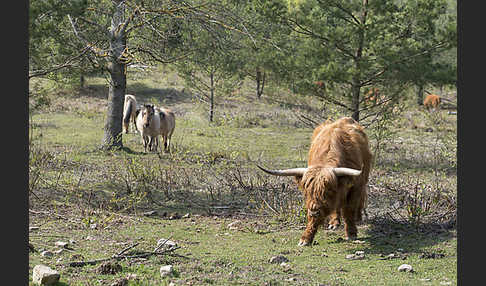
(286, 172)
(346, 172)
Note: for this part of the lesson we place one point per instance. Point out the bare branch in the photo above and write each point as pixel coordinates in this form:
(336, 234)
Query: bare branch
(67, 63)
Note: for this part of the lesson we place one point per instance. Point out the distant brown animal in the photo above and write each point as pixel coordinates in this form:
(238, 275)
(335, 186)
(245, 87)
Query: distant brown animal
(148, 123)
(334, 182)
(167, 125)
(320, 84)
(374, 97)
(129, 112)
(432, 101)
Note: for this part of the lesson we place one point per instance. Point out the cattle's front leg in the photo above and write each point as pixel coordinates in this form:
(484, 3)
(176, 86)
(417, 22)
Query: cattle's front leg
(315, 217)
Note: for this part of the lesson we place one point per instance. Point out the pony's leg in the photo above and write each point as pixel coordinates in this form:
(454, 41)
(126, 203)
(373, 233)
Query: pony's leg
(151, 143)
(144, 141)
(164, 137)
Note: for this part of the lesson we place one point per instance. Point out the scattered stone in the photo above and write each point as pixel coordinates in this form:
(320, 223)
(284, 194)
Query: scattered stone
(291, 279)
(108, 267)
(59, 260)
(425, 279)
(187, 215)
(234, 225)
(47, 253)
(358, 255)
(44, 275)
(405, 268)
(61, 244)
(93, 226)
(149, 213)
(167, 243)
(32, 228)
(445, 283)
(89, 237)
(278, 259)
(166, 270)
(72, 241)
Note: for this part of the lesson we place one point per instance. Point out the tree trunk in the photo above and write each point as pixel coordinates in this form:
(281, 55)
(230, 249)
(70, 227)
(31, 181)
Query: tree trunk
(113, 125)
(355, 88)
(81, 81)
(260, 81)
(211, 98)
(420, 95)
(356, 84)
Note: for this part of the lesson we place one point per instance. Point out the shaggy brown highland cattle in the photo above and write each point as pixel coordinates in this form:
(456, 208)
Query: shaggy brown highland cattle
(432, 101)
(334, 182)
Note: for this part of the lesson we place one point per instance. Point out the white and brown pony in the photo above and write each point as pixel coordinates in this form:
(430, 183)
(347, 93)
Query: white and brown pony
(129, 112)
(167, 125)
(148, 124)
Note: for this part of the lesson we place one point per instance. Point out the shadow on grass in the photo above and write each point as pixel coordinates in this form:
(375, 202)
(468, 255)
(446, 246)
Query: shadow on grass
(386, 236)
(146, 94)
(142, 92)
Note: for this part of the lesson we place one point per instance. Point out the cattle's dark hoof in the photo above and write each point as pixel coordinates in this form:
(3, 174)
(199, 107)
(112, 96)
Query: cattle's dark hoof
(351, 238)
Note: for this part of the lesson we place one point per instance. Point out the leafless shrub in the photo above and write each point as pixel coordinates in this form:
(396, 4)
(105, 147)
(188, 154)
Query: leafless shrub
(420, 203)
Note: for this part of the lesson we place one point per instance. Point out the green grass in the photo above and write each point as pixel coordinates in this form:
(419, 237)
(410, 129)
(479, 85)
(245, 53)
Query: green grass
(211, 174)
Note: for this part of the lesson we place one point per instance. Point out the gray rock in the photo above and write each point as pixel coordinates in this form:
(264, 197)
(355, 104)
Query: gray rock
(149, 213)
(166, 270)
(278, 259)
(44, 275)
(47, 253)
(168, 243)
(405, 268)
(62, 244)
(358, 255)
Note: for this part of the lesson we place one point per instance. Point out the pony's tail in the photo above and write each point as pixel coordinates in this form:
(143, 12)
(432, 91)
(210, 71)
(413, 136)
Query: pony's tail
(126, 116)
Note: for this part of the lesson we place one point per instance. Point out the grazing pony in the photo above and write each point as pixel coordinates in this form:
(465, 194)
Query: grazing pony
(432, 101)
(129, 112)
(148, 123)
(334, 181)
(167, 125)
